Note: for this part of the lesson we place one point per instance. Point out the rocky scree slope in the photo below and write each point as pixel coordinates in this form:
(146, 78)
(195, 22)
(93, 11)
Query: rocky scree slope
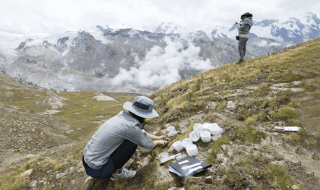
(247, 101)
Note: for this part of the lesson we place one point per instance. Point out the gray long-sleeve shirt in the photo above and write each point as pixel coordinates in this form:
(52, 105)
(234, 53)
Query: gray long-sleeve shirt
(111, 135)
(245, 25)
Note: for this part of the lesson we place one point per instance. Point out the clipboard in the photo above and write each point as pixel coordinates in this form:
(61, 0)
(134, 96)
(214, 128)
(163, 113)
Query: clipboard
(188, 166)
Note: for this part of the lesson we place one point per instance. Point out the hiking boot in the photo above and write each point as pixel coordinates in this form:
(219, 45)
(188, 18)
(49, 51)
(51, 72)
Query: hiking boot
(88, 183)
(123, 173)
(240, 61)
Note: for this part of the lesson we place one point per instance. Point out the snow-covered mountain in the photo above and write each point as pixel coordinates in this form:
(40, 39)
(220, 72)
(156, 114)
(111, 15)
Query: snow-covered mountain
(163, 28)
(293, 29)
(131, 60)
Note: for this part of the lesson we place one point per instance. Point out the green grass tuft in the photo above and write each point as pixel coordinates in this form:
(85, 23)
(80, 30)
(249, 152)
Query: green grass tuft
(247, 134)
(216, 148)
(284, 113)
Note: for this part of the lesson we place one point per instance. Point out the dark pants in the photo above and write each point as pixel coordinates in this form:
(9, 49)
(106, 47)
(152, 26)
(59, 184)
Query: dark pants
(117, 159)
(242, 47)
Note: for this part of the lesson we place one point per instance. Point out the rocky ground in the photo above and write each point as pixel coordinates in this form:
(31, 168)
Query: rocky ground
(247, 101)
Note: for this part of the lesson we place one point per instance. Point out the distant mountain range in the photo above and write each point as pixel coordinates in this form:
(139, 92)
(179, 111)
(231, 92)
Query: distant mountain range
(294, 30)
(139, 61)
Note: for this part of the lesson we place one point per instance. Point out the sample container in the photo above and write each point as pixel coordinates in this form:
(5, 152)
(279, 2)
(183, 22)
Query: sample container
(171, 128)
(198, 127)
(172, 133)
(192, 150)
(186, 142)
(194, 136)
(205, 136)
(177, 146)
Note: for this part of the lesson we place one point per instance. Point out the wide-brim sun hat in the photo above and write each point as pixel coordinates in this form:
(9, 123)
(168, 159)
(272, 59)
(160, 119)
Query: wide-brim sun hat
(141, 106)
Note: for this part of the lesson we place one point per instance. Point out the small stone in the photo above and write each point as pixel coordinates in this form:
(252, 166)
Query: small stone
(209, 180)
(230, 105)
(104, 98)
(33, 183)
(294, 187)
(60, 175)
(71, 169)
(27, 172)
(81, 170)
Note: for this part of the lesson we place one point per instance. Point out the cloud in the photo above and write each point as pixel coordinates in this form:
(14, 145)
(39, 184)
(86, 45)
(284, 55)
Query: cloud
(53, 16)
(162, 66)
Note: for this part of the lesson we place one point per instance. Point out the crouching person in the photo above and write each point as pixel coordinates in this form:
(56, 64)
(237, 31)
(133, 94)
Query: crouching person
(116, 141)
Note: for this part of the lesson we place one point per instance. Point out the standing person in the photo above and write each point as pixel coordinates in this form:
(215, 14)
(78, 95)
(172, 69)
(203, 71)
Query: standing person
(244, 28)
(116, 141)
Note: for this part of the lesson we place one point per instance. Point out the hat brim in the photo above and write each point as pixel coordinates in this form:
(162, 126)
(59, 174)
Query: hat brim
(128, 106)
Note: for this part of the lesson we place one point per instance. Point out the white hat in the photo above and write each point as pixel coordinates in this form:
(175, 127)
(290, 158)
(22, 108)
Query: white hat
(142, 106)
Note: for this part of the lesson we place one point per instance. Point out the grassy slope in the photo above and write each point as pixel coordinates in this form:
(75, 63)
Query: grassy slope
(257, 110)
(259, 107)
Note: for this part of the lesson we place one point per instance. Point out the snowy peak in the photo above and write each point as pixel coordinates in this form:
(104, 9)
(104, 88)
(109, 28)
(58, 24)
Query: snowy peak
(293, 29)
(264, 23)
(163, 28)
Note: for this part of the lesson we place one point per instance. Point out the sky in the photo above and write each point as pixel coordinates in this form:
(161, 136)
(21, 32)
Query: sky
(58, 16)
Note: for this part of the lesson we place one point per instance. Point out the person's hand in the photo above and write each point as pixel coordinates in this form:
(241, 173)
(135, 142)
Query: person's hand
(162, 137)
(236, 23)
(162, 142)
